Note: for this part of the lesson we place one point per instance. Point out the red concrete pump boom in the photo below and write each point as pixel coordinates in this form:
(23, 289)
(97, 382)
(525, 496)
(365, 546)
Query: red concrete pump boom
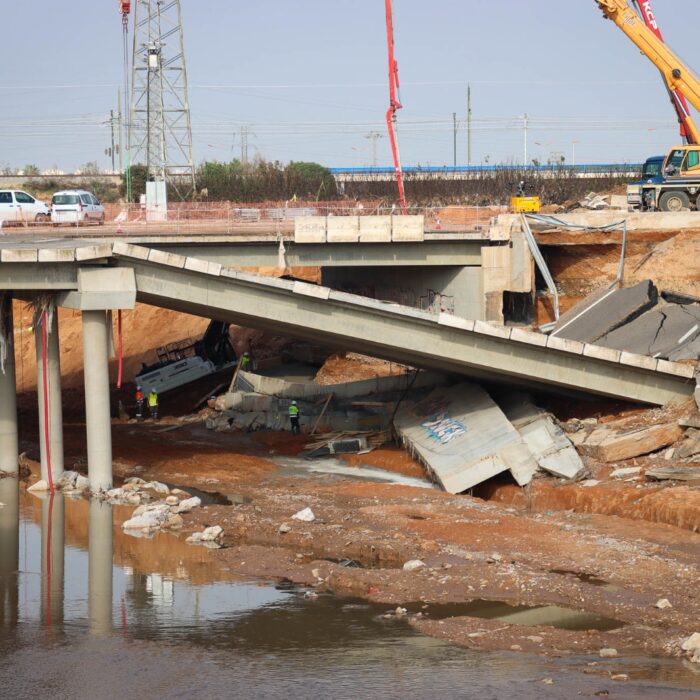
(394, 104)
(680, 104)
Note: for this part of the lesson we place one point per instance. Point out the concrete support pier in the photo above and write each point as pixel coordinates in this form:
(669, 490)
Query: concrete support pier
(97, 409)
(9, 443)
(100, 568)
(53, 367)
(9, 554)
(52, 558)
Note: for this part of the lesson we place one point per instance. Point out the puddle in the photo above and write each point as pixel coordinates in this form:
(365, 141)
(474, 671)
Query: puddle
(334, 467)
(82, 606)
(532, 616)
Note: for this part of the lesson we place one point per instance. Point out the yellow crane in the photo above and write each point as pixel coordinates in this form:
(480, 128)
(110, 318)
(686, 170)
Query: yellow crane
(678, 184)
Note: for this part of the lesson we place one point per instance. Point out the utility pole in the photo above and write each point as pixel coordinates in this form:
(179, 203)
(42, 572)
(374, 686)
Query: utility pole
(525, 140)
(119, 133)
(454, 139)
(111, 124)
(160, 127)
(469, 124)
(244, 144)
(374, 136)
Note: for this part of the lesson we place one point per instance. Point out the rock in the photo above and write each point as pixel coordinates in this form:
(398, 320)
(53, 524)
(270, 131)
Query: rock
(188, 504)
(174, 522)
(284, 528)
(590, 482)
(148, 517)
(194, 538)
(400, 612)
(39, 487)
(182, 495)
(692, 421)
(689, 448)
(536, 639)
(626, 471)
(131, 487)
(515, 647)
(548, 681)
(311, 595)
(115, 494)
(306, 515)
(619, 677)
(413, 565)
(663, 604)
(695, 658)
(158, 487)
(212, 533)
(608, 653)
(135, 480)
(133, 499)
(635, 443)
(172, 500)
(73, 481)
(692, 643)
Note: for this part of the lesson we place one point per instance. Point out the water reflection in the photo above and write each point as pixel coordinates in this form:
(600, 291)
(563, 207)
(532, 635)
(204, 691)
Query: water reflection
(9, 553)
(185, 628)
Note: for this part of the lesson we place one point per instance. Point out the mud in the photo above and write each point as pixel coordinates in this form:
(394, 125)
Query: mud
(547, 551)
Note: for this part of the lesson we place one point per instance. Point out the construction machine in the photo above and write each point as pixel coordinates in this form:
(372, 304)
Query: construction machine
(677, 188)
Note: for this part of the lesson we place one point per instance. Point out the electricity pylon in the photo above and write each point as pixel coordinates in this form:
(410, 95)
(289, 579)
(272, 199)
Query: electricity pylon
(160, 129)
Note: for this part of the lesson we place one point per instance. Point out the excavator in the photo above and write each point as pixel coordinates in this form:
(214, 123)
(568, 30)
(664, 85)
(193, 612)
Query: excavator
(676, 185)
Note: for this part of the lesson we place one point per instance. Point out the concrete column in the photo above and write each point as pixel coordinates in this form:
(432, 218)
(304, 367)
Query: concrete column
(97, 411)
(9, 553)
(52, 558)
(9, 444)
(100, 568)
(53, 365)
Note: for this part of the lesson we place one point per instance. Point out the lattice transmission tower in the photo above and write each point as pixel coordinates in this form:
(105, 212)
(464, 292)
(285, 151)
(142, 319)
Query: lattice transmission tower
(160, 128)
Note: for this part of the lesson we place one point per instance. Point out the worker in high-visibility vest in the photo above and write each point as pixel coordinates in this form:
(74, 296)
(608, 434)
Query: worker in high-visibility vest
(139, 403)
(245, 361)
(153, 404)
(294, 417)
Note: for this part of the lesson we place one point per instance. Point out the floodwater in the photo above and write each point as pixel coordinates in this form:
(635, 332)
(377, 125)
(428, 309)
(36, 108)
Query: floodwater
(88, 612)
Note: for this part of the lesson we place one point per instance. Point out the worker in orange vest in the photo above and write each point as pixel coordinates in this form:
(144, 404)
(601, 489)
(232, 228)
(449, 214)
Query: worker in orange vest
(139, 403)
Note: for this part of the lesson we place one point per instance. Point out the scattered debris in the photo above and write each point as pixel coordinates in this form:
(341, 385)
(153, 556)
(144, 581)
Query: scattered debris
(620, 446)
(663, 604)
(673, 474)
(414, 565)
(608, 653)
(306, 515)
(284, 528)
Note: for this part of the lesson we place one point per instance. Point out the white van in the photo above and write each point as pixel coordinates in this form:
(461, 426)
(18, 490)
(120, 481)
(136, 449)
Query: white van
(76, 207)
(19, 207)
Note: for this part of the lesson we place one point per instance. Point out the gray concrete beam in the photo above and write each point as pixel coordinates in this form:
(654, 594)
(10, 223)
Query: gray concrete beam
(9, 442)
(332, 254)
(398, 333)
(97, 408)
(31, 276)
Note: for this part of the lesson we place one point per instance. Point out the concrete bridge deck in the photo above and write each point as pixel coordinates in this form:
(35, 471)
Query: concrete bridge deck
(399, 333)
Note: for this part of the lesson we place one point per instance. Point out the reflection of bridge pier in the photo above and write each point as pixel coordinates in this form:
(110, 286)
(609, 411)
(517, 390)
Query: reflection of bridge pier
(52, 558)
(9, 553)
(100, 567)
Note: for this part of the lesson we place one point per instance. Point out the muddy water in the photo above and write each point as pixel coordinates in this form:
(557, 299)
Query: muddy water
(87, 612)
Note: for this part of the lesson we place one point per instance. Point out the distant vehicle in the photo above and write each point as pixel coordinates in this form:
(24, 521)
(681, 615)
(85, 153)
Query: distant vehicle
(19, 207)
(652, 174)
(76, 207)
(676, 185)
(184, 362)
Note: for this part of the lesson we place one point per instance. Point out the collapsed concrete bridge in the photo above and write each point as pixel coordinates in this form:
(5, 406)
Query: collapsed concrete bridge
(96, 277)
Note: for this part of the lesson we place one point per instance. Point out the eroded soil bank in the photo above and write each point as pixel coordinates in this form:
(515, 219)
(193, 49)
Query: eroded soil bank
(613, 567)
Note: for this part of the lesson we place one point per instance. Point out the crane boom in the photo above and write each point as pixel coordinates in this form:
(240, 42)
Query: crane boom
(678, 76)
(394, 104)
(688, 128)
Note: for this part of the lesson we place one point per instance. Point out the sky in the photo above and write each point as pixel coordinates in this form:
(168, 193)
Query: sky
(308, 81)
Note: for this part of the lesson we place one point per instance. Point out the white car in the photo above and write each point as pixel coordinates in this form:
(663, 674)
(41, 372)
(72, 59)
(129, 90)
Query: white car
(19, 207)
(76, 207)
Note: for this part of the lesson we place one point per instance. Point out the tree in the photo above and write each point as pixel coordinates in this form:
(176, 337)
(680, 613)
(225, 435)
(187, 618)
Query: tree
(31, 170)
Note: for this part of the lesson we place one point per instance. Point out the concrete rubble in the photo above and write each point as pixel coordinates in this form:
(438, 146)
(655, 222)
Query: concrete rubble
(638, 320)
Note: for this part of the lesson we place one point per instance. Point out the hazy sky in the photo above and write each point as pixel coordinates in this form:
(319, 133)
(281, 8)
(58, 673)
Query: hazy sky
(309, 80)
